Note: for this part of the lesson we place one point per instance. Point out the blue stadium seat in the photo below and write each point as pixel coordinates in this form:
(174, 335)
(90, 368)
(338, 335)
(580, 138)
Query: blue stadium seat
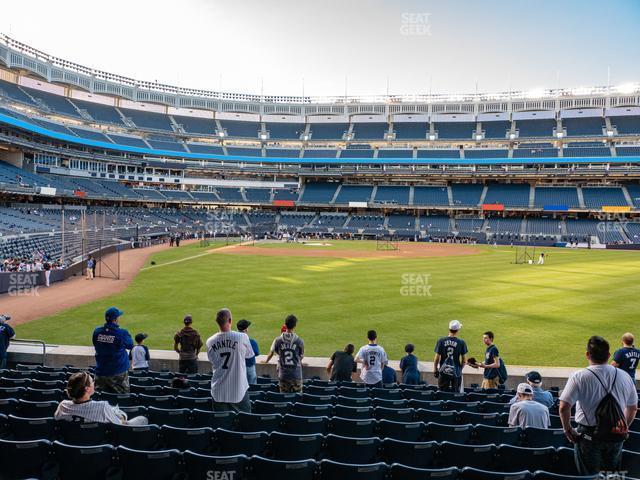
(29, 409)
(544, 437)
(95, 462)
(196, 439)
(306, 410)
(352, 450)
(255, 422)
(282, 397)
(485, 434)
(286, 446)
(21, 460)
(202, 418)
(83, 433)
(469, 473)
(158, 464)
(414, 454)
(30, 429)
(330, 470)
(407, 431)
(355, 413)
(512, 459)
(176, 417)
(270, 408)
(144, 437)
(317, 399)
(268, 469)
(157, 401)
(476, 456)
(304, 425)
(354, 402)
(631, 463)
(404, 472)
(564, 462)
(473, 418)
(446, 418)
(352, 428)
(12, 392)
(246, 443)
(394, 414)
(544, 475)
(201, 403)
(118, 399)
(199, 466)
(37, 395)
(353, 392)
(456, 434)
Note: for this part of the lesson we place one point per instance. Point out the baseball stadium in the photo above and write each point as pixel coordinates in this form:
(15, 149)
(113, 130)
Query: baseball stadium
(508, 213)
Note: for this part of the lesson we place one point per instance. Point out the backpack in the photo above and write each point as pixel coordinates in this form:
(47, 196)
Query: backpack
(611, 425)
(502, 373)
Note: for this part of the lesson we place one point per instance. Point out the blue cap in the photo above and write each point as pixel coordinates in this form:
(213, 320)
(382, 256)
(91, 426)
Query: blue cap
(112, 314)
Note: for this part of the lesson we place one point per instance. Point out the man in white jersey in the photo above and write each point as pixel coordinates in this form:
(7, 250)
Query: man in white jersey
(373, 359)
(585, 389)
(227, 351)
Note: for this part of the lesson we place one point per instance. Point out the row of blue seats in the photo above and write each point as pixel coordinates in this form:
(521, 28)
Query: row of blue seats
(43, 459)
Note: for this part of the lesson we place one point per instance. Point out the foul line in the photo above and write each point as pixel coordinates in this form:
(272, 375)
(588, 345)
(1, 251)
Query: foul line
(208, 252)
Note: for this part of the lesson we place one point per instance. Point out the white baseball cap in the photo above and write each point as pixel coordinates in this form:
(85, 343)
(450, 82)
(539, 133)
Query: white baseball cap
(455, 325)
(525, 388)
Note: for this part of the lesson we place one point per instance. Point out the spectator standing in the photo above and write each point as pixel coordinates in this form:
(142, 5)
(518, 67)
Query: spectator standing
(450, 359)
(90, 267)
(586, 389)
(47, 273)
(534, 379)
(80, 388)
(252, 376)
(112, 361)
(290, 350)
(139, 354)
(373, 359)
(409, 366)
(187, 343)
(342, 365)
(227, 351)
(526, 412)
(626, 358)
(491, 363)
(6, 334)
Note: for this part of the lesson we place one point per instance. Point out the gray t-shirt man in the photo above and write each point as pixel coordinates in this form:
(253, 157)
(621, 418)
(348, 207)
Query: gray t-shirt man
(290, 349)
(528, 413)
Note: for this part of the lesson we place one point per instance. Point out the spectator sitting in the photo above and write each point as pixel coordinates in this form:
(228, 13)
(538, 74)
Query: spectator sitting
(526, 412)
(180, 383)
(539, 395)
(388, 375)
(342, 364)
(409, 366)
(80, 407)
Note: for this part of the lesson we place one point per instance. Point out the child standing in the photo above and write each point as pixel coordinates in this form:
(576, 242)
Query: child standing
(409, 366)
(139, 354)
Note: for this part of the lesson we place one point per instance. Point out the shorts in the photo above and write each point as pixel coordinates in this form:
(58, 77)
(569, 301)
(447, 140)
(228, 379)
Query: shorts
(290, 385)
(113, 383)
(488, 383)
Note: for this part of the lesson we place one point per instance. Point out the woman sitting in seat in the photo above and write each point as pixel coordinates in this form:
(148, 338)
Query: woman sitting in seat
(80, 407)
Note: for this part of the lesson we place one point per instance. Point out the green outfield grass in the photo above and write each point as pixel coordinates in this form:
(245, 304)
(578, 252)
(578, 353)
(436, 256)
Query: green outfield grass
(541, 315)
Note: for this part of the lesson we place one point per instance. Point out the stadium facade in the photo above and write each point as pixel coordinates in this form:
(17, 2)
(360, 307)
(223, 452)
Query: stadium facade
(544, 167)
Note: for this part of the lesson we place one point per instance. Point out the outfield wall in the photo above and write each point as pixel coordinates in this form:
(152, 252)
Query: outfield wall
(61, 355)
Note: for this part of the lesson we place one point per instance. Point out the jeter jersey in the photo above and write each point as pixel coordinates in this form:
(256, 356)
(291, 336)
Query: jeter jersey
(290, 350)
(372, 356)
(227, 352)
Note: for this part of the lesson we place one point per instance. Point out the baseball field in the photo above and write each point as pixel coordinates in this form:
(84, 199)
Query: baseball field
(540, 314)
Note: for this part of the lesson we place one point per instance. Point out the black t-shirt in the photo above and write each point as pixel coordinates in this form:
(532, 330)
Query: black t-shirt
(454, 348)
(343, 366)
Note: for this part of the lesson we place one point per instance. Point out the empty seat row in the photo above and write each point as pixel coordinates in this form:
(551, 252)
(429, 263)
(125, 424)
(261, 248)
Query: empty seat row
(386, 459)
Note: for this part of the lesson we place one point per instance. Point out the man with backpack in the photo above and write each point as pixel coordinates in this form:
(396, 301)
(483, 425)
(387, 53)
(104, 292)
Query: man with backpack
(606, 403)
(450, 359)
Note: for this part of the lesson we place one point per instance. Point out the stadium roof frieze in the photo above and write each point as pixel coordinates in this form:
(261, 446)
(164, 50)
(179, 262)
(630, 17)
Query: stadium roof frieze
(18, 55)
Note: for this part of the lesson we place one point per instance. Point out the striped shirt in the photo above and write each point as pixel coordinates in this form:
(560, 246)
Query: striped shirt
(227, 352)
(91, 411)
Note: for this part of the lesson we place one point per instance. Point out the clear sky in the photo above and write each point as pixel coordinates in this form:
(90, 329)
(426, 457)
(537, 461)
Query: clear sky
(407, 46)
